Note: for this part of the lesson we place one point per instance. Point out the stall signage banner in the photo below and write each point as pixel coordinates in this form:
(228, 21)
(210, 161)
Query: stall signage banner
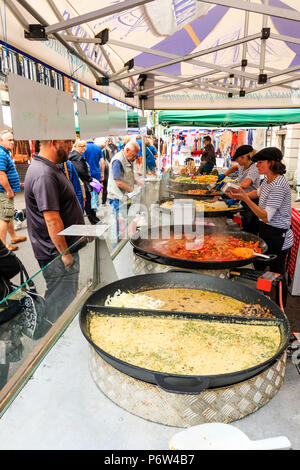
(196, 99)
(117, 121)
(93, 119)
(39, 112)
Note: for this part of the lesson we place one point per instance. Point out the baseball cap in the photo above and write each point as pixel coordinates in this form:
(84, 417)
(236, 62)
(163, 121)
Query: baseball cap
(242, 150)
(268, 153)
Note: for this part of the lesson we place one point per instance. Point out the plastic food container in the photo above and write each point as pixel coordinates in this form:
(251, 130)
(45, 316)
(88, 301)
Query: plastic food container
(230, 187)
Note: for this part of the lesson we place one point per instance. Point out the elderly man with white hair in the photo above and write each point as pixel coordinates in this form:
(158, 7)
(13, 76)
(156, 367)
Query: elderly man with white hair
(121, 180)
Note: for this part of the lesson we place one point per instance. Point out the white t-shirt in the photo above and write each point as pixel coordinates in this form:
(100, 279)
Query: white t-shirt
(250, 173)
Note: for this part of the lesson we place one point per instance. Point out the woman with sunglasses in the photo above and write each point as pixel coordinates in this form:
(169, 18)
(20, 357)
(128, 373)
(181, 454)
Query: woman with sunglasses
(273, 210)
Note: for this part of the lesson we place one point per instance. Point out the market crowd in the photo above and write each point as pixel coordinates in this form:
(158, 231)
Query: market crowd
(64, 182)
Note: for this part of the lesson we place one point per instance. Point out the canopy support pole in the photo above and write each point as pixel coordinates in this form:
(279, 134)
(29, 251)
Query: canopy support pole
(270, 85)
(244, 53)
(95, 15)
(177, 82)
(77, 46)
(171, 150)
(258, 8)
(18, 15)
(283, 38)
(143, 141)
(60, 39)
(187, 58)
(263, 43)
(159, 149)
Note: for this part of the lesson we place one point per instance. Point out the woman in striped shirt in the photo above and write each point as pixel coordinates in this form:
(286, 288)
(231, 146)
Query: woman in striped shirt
(273, 210)
(249, 180)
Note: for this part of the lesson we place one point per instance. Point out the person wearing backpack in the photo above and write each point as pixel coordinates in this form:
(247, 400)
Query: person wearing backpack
(9, 268)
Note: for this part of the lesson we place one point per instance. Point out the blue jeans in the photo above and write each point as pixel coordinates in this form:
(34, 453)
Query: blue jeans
(115, 225)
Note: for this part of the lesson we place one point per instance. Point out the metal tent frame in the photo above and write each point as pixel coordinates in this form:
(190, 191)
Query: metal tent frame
(265, 78)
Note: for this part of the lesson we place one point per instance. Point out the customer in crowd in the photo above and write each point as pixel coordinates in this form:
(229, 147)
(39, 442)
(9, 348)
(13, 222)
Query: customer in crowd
(150, 160)
(11, 345)
(157, 142)
(150, 157)
(108, 153)
(71, 173)
(208, 158)
(139, 160)
(52, 206)
(126, 139)
(9, 268)
(249, 180)
(101, 141)
(120, 144)
(273, 210)
(94, 157)
(112, 146)
(152, 147)
(9, 185)
(78, 159)
(121, 180)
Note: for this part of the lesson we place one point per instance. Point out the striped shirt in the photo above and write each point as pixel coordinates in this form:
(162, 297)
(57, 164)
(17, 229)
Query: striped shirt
(275, 198)
(8, 166)
(250, 173)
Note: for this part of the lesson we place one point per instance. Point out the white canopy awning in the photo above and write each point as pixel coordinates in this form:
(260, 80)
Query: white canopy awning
(188, 54)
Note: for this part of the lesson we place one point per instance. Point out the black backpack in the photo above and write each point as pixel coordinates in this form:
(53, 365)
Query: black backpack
(27, 304)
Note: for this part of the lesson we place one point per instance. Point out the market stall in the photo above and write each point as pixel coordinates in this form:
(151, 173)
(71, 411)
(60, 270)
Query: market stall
(159, 377)
(90, 86)
(228, 129)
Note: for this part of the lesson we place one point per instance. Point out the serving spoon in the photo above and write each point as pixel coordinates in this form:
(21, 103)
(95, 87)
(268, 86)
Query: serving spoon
(248, 253)
(220, 436)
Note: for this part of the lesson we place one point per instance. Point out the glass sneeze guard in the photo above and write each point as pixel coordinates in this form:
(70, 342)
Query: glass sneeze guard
(39, 319)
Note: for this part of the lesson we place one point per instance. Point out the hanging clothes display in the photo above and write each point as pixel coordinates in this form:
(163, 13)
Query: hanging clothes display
(250, 137)
(242, 138)
(259, 136)
(234, 144)
(225, 142)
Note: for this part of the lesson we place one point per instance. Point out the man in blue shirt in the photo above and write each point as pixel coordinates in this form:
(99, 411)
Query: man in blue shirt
(150, 160)
(9, 185)
(94, 157)
(139, 141)
(120, 144)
